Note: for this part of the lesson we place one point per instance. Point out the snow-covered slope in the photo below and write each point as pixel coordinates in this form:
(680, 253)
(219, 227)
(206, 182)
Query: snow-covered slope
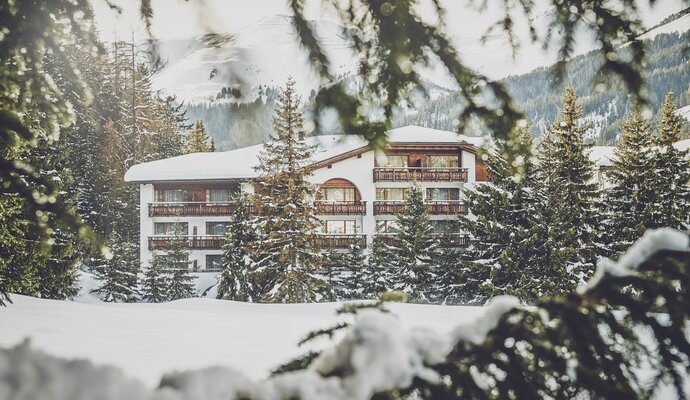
(147, 340)
(265, 53)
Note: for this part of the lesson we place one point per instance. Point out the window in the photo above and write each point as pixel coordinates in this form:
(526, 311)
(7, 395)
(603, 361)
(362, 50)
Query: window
(445, 226)
(170, 195)
(392, 194)
(218, 195)
(216, 228)
(214, 262)
(442, 161)
(170, 228)
(390, 227)
(338, 194)
(443, 194)
(346, 227)
(392, 161)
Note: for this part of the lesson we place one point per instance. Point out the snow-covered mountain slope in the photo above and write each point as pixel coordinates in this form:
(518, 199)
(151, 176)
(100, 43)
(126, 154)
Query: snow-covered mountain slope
(265, 53)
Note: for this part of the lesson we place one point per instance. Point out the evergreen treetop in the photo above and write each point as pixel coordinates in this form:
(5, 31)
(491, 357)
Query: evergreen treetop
(286, 254)
(197, 140)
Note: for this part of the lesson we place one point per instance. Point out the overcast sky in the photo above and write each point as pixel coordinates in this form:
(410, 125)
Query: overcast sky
(179, 18)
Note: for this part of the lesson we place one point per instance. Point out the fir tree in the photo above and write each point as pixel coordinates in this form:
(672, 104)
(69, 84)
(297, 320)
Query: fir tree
(414, 248)
(631, 199)
(571, 195)
(378, 271)
(510, 251)
(345, 273)
(198, 140)
(236, 277)
(672, 186)
(181, 281)
(156, 280)
(286, 255)
(119, 274)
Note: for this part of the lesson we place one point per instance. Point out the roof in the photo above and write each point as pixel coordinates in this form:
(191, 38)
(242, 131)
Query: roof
(240, 163)
(602, 155)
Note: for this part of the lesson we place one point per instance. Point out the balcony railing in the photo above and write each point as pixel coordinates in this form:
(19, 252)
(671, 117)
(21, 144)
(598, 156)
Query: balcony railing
(451, 207)
(190, 208)
(208, 242)
(340, 207)
(455, 240)
(420, 174)
(328, 241)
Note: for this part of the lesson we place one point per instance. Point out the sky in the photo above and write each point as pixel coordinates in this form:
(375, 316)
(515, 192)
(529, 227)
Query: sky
(180, 18)
(177, 19)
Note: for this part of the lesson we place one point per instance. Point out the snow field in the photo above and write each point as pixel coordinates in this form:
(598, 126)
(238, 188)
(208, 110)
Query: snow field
(148, 340)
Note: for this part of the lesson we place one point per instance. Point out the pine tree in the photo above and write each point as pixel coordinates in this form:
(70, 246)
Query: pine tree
(181, 281)
(571, 195)
(155, 283)
(198, 140)
(510, 252)
(414, 247)
(236, 278)
(286, 255)
(345, 273)
(119, 274)
(631, 199)
(672, 186)
(378, 271)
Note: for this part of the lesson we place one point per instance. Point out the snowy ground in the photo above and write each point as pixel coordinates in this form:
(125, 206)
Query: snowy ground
(147, 340)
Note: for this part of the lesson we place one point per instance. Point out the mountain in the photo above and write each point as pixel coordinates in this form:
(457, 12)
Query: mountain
(263, 54)
(667, 69)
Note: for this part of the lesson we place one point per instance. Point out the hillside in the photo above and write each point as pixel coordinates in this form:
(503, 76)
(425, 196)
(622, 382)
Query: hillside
(667, 69)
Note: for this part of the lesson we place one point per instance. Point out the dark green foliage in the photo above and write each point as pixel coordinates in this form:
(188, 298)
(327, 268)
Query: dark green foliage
(181, 281)
(345, 272)
(119, 274)
(672, 186)
(631, 200)
(377, 276)
(285, 254)
(587, 349)
(510, 250)
(235, 280)
(571, 198)
(413, 249)
(156, 280)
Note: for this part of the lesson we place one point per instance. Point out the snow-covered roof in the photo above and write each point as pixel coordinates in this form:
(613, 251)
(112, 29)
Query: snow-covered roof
(240, 163)
(602, 155)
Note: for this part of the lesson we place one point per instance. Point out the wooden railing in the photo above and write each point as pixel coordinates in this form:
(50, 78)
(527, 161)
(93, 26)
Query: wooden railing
(452, 240)
(421, 174)
(388, 207)
(192, 209)
(209, 242)
(327, 241)
(340, 208)
(452, 207)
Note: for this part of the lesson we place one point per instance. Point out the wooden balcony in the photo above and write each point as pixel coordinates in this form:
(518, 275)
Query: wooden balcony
(388, 207)
(190, 209)
(209, 242)
(420, 174)
(327, 241)
(453, 207)
(340, 208)
(458, 240)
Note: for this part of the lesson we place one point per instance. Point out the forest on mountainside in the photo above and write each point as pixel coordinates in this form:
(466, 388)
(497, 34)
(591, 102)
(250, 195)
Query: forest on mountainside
(667, 69)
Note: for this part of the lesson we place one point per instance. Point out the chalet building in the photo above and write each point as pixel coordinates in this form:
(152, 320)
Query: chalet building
(360, 191)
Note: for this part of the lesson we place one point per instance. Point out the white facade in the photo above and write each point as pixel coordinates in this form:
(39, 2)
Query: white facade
(338, 158)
